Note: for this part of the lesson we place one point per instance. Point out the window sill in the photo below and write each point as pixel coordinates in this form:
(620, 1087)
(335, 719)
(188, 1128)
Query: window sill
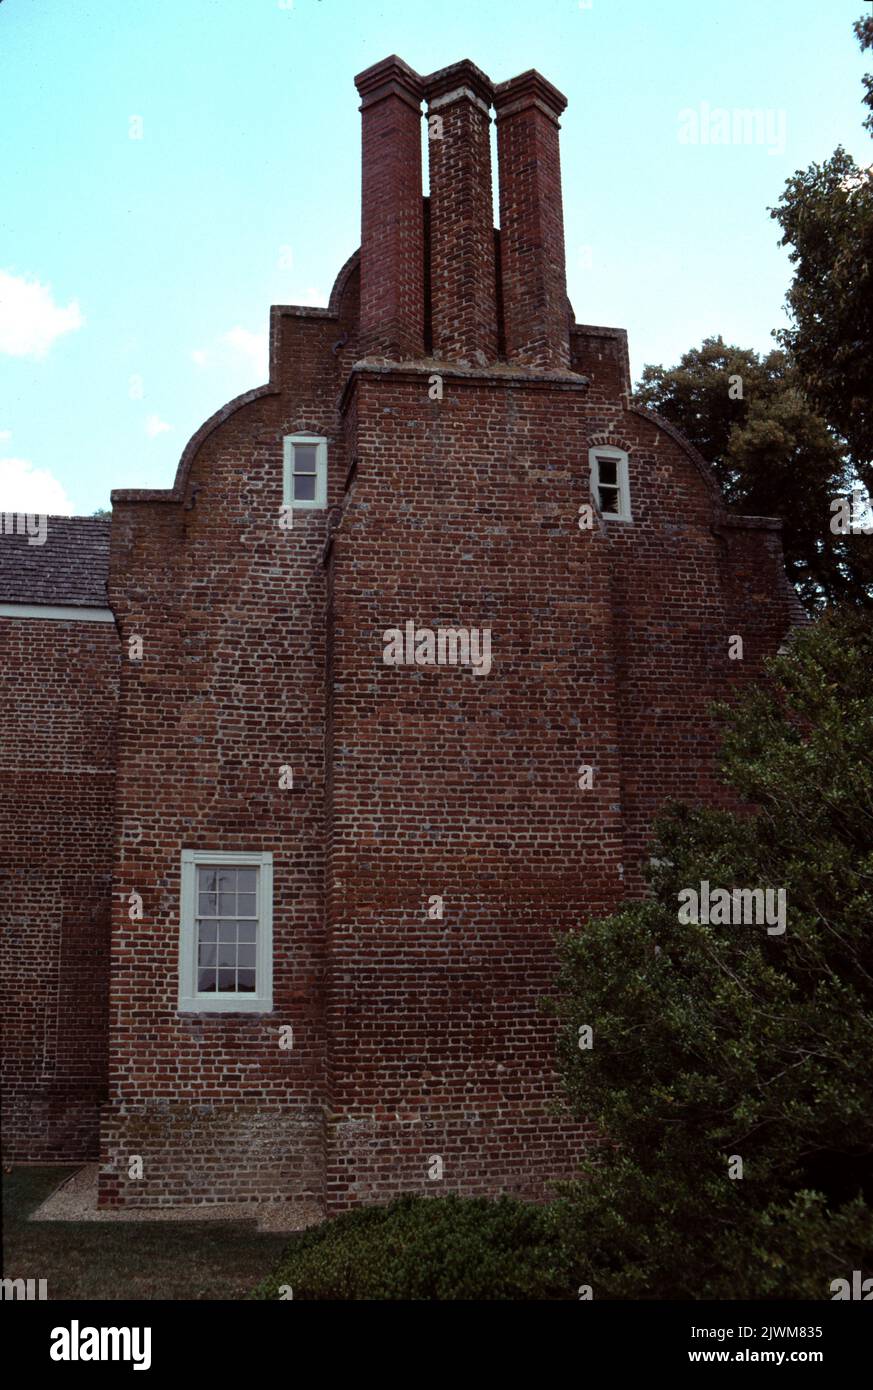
(225, 1006)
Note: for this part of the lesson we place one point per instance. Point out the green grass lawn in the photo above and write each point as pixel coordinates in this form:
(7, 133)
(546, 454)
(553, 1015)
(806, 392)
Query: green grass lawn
(129, 1259)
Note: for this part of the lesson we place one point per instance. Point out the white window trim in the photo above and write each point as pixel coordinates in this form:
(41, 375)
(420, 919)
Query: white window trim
(60, 613)
(319, 502)
(189, 1000)
(622, 476)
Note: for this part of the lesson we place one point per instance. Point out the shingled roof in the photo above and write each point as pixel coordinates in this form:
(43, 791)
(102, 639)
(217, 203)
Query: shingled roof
(71, 568)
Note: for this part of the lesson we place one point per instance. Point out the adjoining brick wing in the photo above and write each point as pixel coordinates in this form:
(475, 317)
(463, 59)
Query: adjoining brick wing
(58, 693)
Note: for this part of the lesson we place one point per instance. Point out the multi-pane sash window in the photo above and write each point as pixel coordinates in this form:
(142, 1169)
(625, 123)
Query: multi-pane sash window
(609, 483)
(226, 946)
(305, 471)
(227, 929)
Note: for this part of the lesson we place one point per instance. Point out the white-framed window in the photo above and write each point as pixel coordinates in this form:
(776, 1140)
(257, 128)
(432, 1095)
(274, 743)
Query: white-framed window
(226, 932)
(609, 482)
(305, 471)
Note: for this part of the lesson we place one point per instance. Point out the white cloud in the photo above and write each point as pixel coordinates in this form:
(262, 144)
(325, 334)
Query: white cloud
(312, 298)
(30, 320)
(154, 425)
(4, 435)
(251, 345)
(24, 488)
(200, 356)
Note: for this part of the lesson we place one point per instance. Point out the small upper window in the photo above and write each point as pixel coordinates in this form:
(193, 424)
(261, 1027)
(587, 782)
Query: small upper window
(609, 483)
(305, 471)
(226, 947)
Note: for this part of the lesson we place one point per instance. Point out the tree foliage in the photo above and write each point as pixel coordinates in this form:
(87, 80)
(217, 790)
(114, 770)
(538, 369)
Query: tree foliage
(864, 33)
(712, 1042)
(826, 216)
(772, 455)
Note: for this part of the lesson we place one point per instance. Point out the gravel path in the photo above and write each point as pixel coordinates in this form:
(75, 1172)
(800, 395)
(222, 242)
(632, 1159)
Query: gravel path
(76, 1200)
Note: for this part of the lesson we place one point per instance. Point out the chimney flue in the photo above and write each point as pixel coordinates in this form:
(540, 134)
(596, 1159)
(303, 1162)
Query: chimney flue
(462, 269)
(533, 270)
(392, 219)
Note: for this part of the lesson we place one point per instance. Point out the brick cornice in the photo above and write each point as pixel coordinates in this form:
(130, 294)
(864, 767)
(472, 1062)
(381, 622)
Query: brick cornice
(499, 375)
(529, 89)
(390, 77)
(459, 80)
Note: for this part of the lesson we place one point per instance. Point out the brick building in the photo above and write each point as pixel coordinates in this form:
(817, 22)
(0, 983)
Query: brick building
(291, 750)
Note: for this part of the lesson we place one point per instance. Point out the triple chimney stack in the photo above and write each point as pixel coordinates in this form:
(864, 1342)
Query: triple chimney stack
(436, 281)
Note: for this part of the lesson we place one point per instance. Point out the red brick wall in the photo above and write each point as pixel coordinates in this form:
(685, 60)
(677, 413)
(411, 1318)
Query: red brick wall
(415, 1038)
(231, 609)
(685, 578)
(607, 646)
(58, 685)
(463, 514)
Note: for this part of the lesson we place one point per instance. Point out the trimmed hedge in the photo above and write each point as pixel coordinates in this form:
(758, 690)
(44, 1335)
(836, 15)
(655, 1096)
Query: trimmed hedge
(440, 1248)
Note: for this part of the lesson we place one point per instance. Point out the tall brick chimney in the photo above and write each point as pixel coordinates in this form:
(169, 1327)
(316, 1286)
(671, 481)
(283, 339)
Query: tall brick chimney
(392, 217)
(533, 270)
(462, 269)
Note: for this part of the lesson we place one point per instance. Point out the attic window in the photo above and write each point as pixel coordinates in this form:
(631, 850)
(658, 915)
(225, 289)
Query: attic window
(305, 472)
(609, 483)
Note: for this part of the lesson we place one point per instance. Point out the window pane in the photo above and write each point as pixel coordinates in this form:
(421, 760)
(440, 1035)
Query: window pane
(304, 458)
(304, 487)
(227, 904)
(607, 470)
(609, 499)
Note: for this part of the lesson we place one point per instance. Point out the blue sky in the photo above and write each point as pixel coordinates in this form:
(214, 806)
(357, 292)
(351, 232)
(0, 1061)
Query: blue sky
(136, 275)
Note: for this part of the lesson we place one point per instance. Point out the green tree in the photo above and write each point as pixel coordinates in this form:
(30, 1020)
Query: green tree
(772, 455)
(715, 1042)
(826, 216)
(864, 32)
